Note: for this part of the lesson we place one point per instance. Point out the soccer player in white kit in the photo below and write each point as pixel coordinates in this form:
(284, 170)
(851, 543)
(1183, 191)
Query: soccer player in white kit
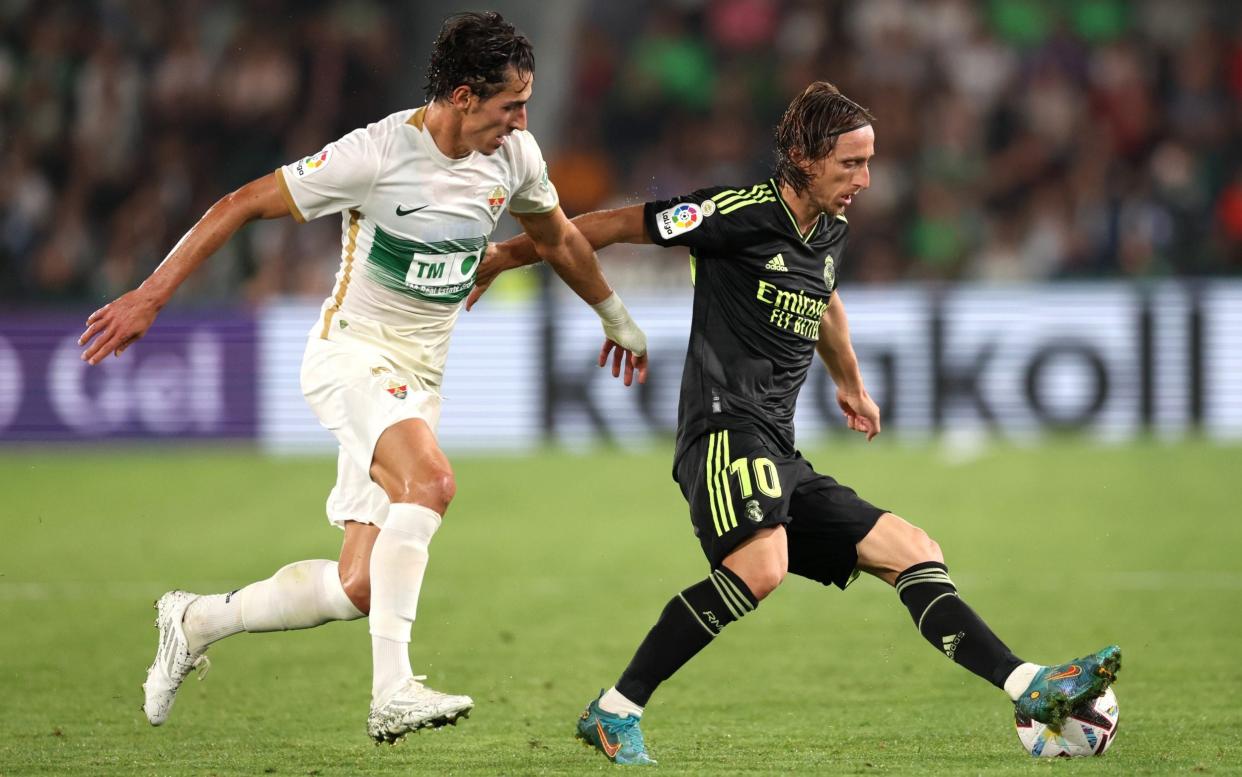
(419, 192)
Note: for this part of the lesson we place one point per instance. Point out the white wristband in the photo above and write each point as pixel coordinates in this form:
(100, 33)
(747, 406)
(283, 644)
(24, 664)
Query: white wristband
(611, 310)
(619, 326)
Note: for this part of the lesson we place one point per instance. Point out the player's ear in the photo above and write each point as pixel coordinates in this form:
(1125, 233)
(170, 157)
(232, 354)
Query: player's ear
(461, 97)
(798, 157)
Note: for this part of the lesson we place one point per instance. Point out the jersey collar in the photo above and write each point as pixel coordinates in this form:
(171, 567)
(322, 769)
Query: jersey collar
(793, 221)
(438, 157)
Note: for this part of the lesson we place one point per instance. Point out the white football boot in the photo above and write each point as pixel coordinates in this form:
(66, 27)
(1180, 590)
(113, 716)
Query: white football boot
(173, 659)
(414, 706)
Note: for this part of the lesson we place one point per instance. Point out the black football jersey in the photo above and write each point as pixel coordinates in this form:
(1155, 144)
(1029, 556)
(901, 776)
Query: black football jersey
(760, 291)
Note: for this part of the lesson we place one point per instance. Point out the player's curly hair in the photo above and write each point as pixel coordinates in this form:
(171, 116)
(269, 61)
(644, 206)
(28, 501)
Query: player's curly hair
(475, 49)
(809, 130)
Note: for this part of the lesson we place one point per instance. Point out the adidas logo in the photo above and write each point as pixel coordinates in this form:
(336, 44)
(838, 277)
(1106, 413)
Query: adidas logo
(776, 263)
(950, 643)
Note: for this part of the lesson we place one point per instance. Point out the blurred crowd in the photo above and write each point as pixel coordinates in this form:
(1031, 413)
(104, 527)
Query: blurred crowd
(1017, 139)
(122, 121)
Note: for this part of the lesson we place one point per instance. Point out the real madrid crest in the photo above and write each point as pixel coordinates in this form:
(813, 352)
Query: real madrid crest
(830, 272)
(753, 511)
(496, 199)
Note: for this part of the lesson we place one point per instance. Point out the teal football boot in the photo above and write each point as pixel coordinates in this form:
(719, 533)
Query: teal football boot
(615, 736)
(1057, 690)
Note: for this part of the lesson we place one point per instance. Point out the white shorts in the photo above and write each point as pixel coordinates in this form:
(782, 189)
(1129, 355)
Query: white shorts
(359, 383)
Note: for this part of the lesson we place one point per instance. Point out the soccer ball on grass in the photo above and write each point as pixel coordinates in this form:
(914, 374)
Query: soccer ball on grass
(1089, 730)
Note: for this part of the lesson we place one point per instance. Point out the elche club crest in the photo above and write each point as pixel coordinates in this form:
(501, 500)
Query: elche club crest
(397, 388)
(830, 272)
(393, 386)
(496, 199)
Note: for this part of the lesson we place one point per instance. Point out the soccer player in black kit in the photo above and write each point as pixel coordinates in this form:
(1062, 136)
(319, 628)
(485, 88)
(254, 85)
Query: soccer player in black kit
(764, 261)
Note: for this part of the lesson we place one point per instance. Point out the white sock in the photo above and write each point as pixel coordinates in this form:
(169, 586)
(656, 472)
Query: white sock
(299, 596)
(398, 563)
(1020, 678)
(392, 666)
(613, 701)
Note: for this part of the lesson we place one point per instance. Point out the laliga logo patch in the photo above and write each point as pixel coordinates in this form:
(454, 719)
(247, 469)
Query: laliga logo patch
(678, 219)
(496, 199)
(313, 163)
(397, 389)
(830, 272)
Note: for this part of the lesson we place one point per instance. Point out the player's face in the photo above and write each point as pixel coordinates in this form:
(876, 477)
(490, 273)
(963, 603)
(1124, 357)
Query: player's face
(845, 172)
(487, 123)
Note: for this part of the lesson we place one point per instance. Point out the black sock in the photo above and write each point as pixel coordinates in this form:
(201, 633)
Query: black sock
(951, 626)
(690, 620)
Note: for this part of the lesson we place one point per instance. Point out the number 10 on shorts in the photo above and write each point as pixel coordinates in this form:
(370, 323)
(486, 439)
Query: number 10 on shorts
(766, 477)
(759, 472)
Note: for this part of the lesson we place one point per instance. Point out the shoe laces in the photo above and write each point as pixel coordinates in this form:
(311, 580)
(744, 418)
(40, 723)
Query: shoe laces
(626, 729)
(417, 682)
(202, 665)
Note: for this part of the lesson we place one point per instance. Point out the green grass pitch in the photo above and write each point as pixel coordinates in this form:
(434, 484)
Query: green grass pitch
(549, 570)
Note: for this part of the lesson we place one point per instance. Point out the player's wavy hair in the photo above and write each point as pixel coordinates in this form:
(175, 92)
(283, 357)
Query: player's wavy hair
(809, 130)
(475, 49)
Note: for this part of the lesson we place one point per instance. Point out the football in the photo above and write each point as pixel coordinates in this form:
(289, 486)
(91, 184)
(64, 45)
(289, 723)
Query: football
(1089, 730)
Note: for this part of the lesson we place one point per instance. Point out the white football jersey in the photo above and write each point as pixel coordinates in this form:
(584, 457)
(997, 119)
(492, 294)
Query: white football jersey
(414, 223)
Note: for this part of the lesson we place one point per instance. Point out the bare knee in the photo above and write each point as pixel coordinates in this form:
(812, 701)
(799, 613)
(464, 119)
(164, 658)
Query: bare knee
(410, 467)
(761, 561)
(924, 547)
(433, 487)
(764, 580)
(893, 546)
(761, 576)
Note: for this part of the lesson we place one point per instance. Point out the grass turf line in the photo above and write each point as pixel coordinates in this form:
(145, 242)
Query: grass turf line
(549, 570)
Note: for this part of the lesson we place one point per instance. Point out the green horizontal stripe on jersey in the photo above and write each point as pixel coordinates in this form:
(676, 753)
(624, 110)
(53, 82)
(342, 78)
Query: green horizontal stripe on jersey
(390, 248)
(388, 264)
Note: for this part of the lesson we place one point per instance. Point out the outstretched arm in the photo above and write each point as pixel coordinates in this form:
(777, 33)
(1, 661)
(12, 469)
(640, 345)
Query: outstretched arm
(834, 347)
(558, 242)
(601, 229)
(112, 328)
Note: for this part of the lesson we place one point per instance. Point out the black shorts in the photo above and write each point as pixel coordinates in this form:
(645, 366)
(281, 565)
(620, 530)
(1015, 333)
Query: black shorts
(736, 484)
